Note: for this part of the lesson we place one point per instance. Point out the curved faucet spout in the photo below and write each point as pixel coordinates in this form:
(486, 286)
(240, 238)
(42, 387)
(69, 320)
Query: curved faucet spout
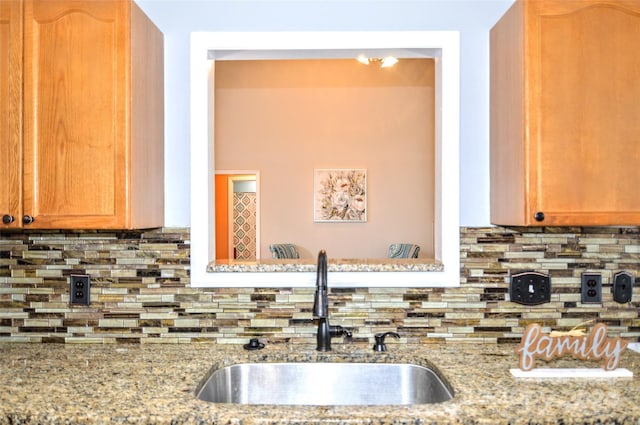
(320, 301)
(321, 308)
(321, 276)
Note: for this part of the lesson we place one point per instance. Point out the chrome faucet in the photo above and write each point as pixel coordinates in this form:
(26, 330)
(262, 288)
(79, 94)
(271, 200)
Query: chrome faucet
(321, 308)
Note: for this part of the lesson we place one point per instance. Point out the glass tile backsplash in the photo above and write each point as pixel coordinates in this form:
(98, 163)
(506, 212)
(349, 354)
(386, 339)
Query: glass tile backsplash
(140, 291)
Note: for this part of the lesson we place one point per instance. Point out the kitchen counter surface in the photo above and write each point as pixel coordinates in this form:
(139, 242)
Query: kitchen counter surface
(155, 384)
(310, 265)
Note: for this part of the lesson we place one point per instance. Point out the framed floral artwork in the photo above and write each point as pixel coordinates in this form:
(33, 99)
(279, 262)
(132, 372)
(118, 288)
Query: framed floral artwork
(340, 195)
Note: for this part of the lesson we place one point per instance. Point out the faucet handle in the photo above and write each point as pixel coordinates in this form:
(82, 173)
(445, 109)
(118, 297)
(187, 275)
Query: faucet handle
(340, 331)
(380, 346)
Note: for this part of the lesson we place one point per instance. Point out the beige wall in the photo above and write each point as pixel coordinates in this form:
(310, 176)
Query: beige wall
(286, 118)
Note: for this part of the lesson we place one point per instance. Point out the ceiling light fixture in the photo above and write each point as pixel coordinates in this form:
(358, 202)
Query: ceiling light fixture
(388, 61)
(363, 59)
(384, 62)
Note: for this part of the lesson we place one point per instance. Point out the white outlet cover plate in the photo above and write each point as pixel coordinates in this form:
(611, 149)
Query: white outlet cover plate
(572, 373)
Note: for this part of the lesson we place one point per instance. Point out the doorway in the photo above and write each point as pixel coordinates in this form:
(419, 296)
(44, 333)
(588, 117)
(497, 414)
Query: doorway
(237, 212)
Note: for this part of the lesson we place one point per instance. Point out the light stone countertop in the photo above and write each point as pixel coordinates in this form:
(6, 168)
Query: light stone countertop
(333, 265)
(155, 384)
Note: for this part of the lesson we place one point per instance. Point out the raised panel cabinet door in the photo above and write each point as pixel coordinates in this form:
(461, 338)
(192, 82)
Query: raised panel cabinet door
(76, 128)
(585, 113)
(10, 113)
(565, 133)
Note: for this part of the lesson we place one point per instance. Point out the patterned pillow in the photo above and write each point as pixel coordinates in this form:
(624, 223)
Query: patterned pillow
(283, 250)
(403, 250)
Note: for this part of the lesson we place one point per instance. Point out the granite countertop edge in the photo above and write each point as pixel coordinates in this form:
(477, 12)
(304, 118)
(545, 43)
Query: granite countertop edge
(389, 265)
(156, 383)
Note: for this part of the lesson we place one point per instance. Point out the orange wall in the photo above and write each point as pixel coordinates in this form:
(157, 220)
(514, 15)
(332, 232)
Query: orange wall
(289, 117)
(222, 216)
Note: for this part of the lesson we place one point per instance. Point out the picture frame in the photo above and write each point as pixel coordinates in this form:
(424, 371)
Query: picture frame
(340, 195)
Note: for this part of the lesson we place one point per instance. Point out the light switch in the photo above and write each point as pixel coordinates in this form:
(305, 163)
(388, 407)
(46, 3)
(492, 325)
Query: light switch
(530, 288)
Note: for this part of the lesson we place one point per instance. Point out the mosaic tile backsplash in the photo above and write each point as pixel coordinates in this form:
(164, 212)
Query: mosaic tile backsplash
(141, 294)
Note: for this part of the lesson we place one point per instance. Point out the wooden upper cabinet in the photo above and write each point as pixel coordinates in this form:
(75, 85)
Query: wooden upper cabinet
(565, 114)
(93, 116)
(10, 112)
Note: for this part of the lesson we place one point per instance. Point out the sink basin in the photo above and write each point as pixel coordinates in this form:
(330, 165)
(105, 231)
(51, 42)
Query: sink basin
(323, 384)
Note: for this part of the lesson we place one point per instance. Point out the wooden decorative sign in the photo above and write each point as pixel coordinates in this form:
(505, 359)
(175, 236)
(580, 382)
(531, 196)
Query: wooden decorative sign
(595, 346)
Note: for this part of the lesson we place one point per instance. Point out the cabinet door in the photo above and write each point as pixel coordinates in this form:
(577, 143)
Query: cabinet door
(585, 113)
(10, 112)
(76, 113)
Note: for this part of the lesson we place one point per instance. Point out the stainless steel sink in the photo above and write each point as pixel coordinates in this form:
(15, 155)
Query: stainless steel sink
(323, 384)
